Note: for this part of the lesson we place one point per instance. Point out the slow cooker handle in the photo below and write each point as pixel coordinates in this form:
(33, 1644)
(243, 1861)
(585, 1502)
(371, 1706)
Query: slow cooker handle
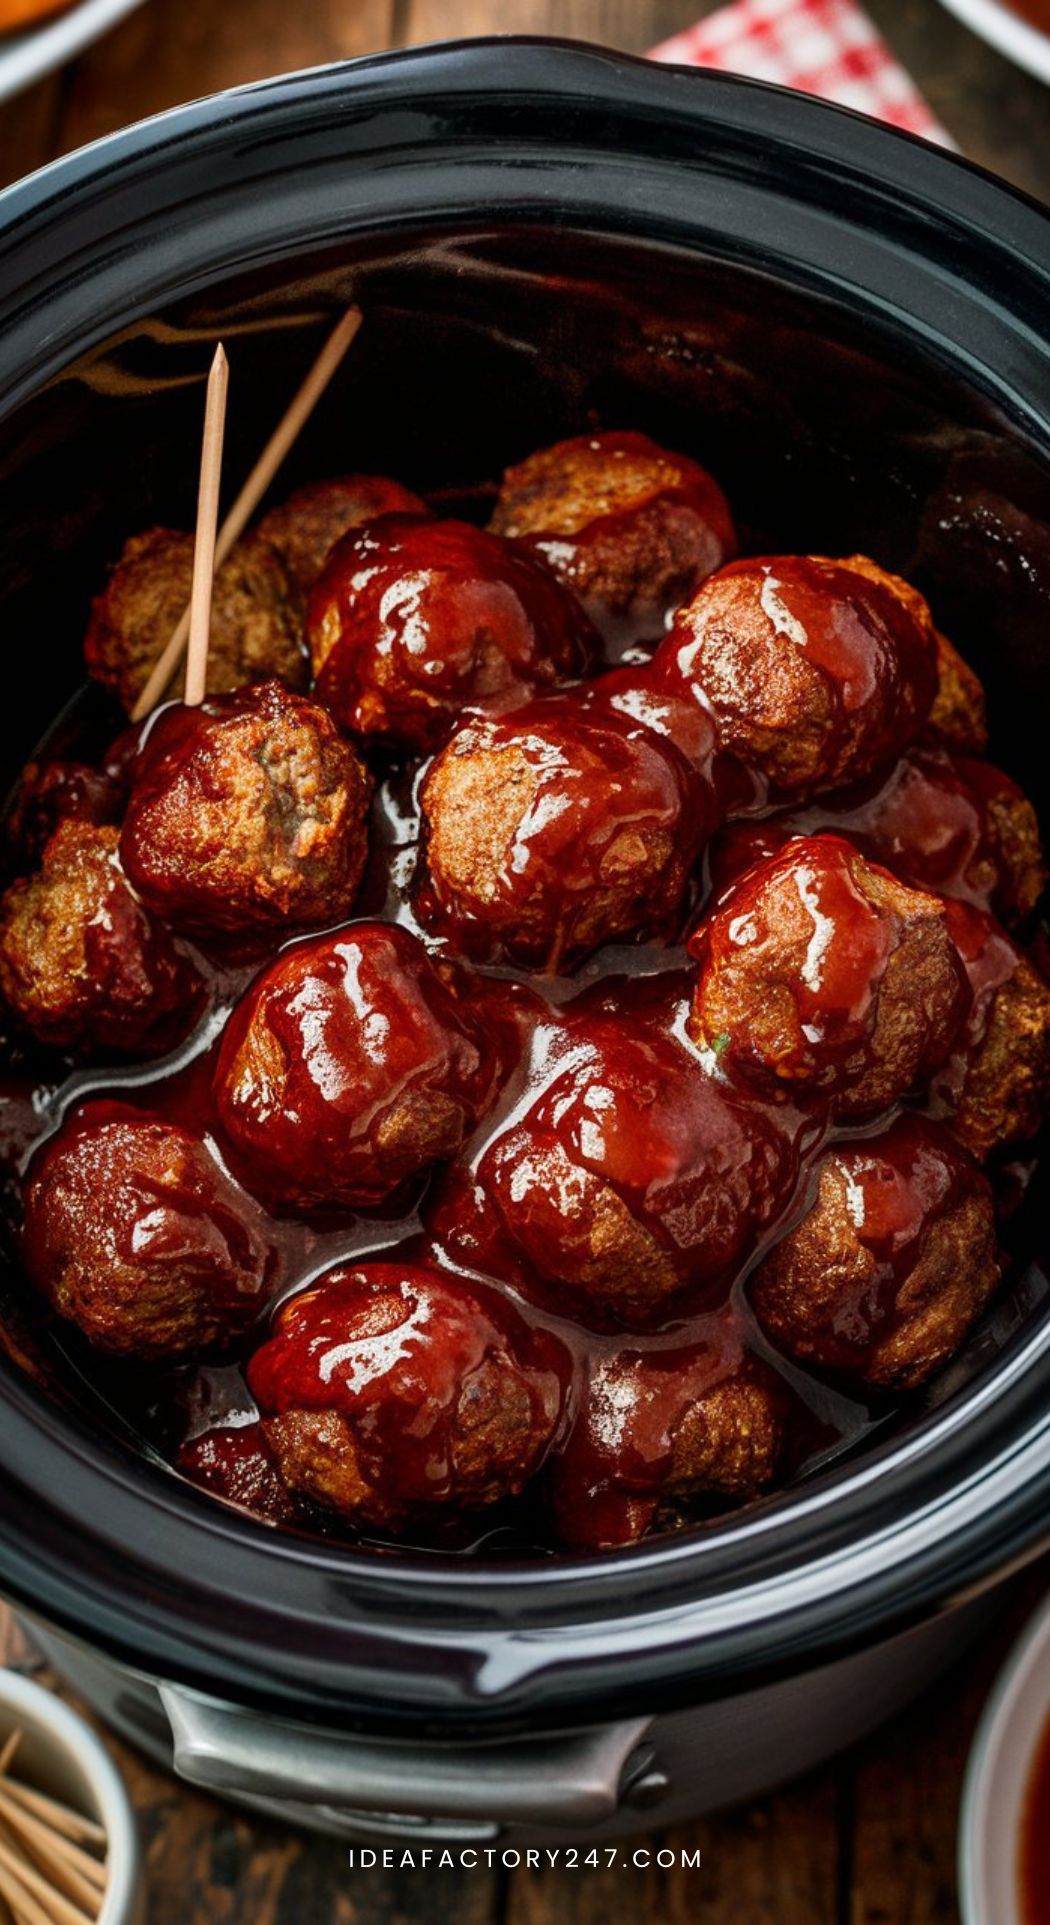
(577, 1778)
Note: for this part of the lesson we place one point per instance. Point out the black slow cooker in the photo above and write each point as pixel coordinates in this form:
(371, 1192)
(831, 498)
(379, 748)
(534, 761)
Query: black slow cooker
(850, 328)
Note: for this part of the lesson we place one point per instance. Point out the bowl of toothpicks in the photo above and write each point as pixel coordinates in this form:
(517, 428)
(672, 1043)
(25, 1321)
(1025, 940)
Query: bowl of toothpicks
(69, 1852)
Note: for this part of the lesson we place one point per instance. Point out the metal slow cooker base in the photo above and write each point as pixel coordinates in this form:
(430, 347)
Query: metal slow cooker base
(660, 1771)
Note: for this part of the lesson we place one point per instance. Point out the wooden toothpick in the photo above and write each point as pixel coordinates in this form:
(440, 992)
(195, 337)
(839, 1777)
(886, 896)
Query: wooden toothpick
(207, 523)
(291, 423)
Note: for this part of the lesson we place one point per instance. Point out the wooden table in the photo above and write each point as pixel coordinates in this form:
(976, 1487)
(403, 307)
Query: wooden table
(871, 1839)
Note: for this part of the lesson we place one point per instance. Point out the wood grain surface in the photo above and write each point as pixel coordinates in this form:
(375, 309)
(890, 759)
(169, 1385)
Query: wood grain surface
(870, 1840)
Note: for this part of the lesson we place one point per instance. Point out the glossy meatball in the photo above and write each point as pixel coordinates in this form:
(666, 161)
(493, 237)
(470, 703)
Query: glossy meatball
(50, 793)
(816, 676)
(83, 965)
(822, 974)
(389, 1392)
(254, 621)
(235, 1462)
(305, 528)
(958, 717)
(941, 822)
(896, 1259)
(666, 1434)
(556, 829)
(636, 1179)
(247, 813)
(994, 1091)
(352, 1064)
(134, 1233)
(630, 528)
(413, 621)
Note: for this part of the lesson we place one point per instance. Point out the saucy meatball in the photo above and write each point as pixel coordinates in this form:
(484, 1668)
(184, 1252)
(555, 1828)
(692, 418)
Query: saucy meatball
(413, 621)
(53, 792)
(822, 974)
(134, 1233)
(994, 1090)
(389, 1392)
(83, 965)
(556, 829)
(247, 813)
(352, 1064)
(254, 623)
(665, 1434)
(235, 1462)
(305, 528)
(941, 822)
(630, 528)
(957, 717)
(891, 1266)
(816, 675)
(636, 1176)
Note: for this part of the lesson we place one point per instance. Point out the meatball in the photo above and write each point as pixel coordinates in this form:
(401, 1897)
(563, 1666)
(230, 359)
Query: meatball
(247, 813)
(940, 822)
(630, 528)
(895, 1260)
(352, 1064)
(822, 974)
(816, 676)
(235, 1462)
(134, 1233)
(958, 717)
(83, 965)
(665, 1434)
(994, 1091)
(254, 623)
(53, 792)
(636, 1178)
(413, 621)
(305, 528)
(389, 1392)
(556, 829)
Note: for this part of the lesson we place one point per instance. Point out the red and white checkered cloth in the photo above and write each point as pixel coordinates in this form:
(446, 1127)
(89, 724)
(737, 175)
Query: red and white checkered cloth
(826, 47)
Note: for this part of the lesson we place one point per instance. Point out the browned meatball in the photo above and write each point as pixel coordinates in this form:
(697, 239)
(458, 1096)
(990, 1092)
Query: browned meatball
(891, 1266)
(247, 813)
(305, 528)
(958, 717)
(558, 828)
(134, 1233)
(390, 1392)
(255, 626)
(635, 1180)
(629, 527)
(56, 791)
(815, 674)
(416, 622)
(664, 1433)
(353, 1062)
(821, 973)
(995, 1088)
(83, 965)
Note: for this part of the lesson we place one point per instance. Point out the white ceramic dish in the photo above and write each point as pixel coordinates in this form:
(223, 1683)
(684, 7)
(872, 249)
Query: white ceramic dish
(1022, 43)
(62, 1756)
(27, 56)
(997, 1779)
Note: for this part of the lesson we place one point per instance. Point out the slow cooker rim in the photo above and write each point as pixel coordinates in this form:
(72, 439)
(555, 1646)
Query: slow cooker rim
(34, 201)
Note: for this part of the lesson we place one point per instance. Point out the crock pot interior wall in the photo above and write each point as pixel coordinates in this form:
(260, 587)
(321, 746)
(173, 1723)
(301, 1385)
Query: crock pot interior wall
(828, 433)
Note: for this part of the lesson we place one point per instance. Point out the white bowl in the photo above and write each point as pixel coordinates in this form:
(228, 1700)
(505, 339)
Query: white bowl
(62, 1756)
(1022, 43)
(1001, 1761)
